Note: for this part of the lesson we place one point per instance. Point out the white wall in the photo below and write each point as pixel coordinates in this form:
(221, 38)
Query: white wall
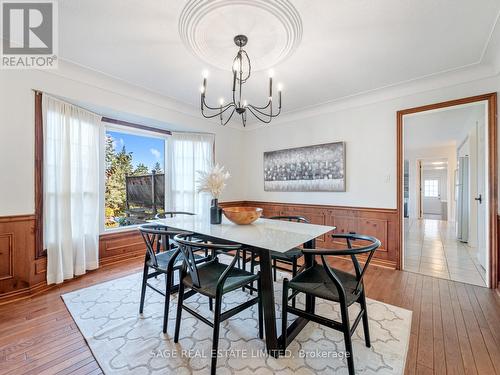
(431, 153)
(77, 85)
(367, 123)
(369, 130)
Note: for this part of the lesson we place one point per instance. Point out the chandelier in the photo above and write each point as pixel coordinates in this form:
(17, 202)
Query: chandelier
(241, 73)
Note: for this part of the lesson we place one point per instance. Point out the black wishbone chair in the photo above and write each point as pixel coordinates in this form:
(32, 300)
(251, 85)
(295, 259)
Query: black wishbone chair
(289, 257)
(213, 279)
(162, 259)
(166, 214)
(326, 282)
(171, 214)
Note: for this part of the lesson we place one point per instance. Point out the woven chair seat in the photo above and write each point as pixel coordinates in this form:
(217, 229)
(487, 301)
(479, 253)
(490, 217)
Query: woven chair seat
(315, 281)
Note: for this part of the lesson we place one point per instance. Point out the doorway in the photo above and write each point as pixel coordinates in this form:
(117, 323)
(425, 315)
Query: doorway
(447, 190)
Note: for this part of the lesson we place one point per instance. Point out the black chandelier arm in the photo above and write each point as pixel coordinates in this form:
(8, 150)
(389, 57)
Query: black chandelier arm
(271, 115)
(257, 107)
(205, 105)
(220, 112)
(260, 118)
(228, 119)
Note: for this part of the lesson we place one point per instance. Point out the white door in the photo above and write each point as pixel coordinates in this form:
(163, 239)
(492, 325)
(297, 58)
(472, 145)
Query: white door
(481, 198)
(432, 195)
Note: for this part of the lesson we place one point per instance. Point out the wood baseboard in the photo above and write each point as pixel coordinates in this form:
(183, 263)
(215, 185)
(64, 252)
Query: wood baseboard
(25, 293)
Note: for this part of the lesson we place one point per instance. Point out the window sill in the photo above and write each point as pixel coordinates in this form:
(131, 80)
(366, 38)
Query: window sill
(129, 228)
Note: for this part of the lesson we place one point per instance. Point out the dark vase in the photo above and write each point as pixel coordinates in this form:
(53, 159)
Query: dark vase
(215, 212)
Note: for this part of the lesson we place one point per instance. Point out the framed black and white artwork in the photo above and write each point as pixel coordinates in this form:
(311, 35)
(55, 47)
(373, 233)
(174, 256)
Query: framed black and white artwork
(303, 169)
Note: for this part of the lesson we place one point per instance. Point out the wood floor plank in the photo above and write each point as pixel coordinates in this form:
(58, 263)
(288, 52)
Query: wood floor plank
(89, 368)
(463, 338)
(453, 356)
(480, 352)
(425, 354)
(439, 356)
(489, 301)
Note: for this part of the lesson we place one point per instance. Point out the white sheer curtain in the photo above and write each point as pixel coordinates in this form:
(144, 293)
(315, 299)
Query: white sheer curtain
(72, 138)
(187, 154)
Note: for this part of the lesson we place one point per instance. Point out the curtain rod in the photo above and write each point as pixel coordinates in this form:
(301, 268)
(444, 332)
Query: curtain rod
(119, 122)
(127, 123)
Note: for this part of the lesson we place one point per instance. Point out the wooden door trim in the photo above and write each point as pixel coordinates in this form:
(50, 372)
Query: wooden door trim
(39, 248)
(491, 99)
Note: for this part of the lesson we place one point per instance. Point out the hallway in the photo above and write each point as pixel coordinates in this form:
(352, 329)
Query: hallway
(431, 249)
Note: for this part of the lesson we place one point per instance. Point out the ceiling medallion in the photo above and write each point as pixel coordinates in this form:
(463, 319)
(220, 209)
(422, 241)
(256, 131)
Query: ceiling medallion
(274, 26)
(242, 69)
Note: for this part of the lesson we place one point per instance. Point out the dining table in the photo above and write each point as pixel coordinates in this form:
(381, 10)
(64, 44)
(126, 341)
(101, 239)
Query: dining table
(262, 237)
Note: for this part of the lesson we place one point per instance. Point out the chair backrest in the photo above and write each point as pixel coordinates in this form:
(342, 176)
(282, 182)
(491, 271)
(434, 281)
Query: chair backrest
(370, 248)
(189, 246)
(297, 219)
(164, 215)
(157, 239)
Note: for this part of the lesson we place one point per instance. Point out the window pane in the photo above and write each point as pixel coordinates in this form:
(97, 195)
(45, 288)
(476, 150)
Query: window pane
(135, 178)
(431, 188)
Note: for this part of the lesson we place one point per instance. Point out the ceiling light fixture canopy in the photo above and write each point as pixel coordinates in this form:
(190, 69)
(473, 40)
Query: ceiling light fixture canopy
(242, 69)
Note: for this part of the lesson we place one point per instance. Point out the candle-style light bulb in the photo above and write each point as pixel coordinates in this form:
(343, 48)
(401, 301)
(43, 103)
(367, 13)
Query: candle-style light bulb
(221, 101)
(280, 89)
(244, 103)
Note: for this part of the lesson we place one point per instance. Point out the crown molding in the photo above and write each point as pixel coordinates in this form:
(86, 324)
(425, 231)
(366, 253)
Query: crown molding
(78, 73)
(475, 72)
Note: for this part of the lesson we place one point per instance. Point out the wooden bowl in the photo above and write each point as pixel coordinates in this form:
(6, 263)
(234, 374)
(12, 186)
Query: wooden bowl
(242, 215)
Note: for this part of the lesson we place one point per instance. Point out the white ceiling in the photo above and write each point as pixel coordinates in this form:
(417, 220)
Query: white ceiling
(445, 127)
(340, 47)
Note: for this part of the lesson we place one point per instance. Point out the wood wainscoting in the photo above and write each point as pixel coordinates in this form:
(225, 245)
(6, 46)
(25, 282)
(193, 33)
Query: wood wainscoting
(21, 273)
(378, 222)
(119, 246)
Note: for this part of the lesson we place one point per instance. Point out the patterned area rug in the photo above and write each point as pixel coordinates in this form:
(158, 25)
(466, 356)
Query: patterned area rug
(124, 342)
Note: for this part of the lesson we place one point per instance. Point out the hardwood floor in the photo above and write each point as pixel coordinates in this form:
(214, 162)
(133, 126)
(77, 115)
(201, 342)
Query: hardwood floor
(455, 327)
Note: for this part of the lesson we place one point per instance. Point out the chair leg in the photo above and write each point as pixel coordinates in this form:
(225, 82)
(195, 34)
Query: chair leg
(169, 280)
(260, 310)
(284, 315)
(244, 263)
(275, 272)
(215, 338)
(179, 311)
(347, 338)
(252, 269)
(294, 273)
(143, 287)
(366, 328)
(210, 304)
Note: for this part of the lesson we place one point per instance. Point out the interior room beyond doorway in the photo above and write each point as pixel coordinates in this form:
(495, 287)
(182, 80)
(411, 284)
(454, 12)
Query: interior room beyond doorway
(444, 195)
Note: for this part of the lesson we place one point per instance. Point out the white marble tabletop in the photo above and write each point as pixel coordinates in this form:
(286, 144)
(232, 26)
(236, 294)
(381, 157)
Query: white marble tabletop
(277, 235)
